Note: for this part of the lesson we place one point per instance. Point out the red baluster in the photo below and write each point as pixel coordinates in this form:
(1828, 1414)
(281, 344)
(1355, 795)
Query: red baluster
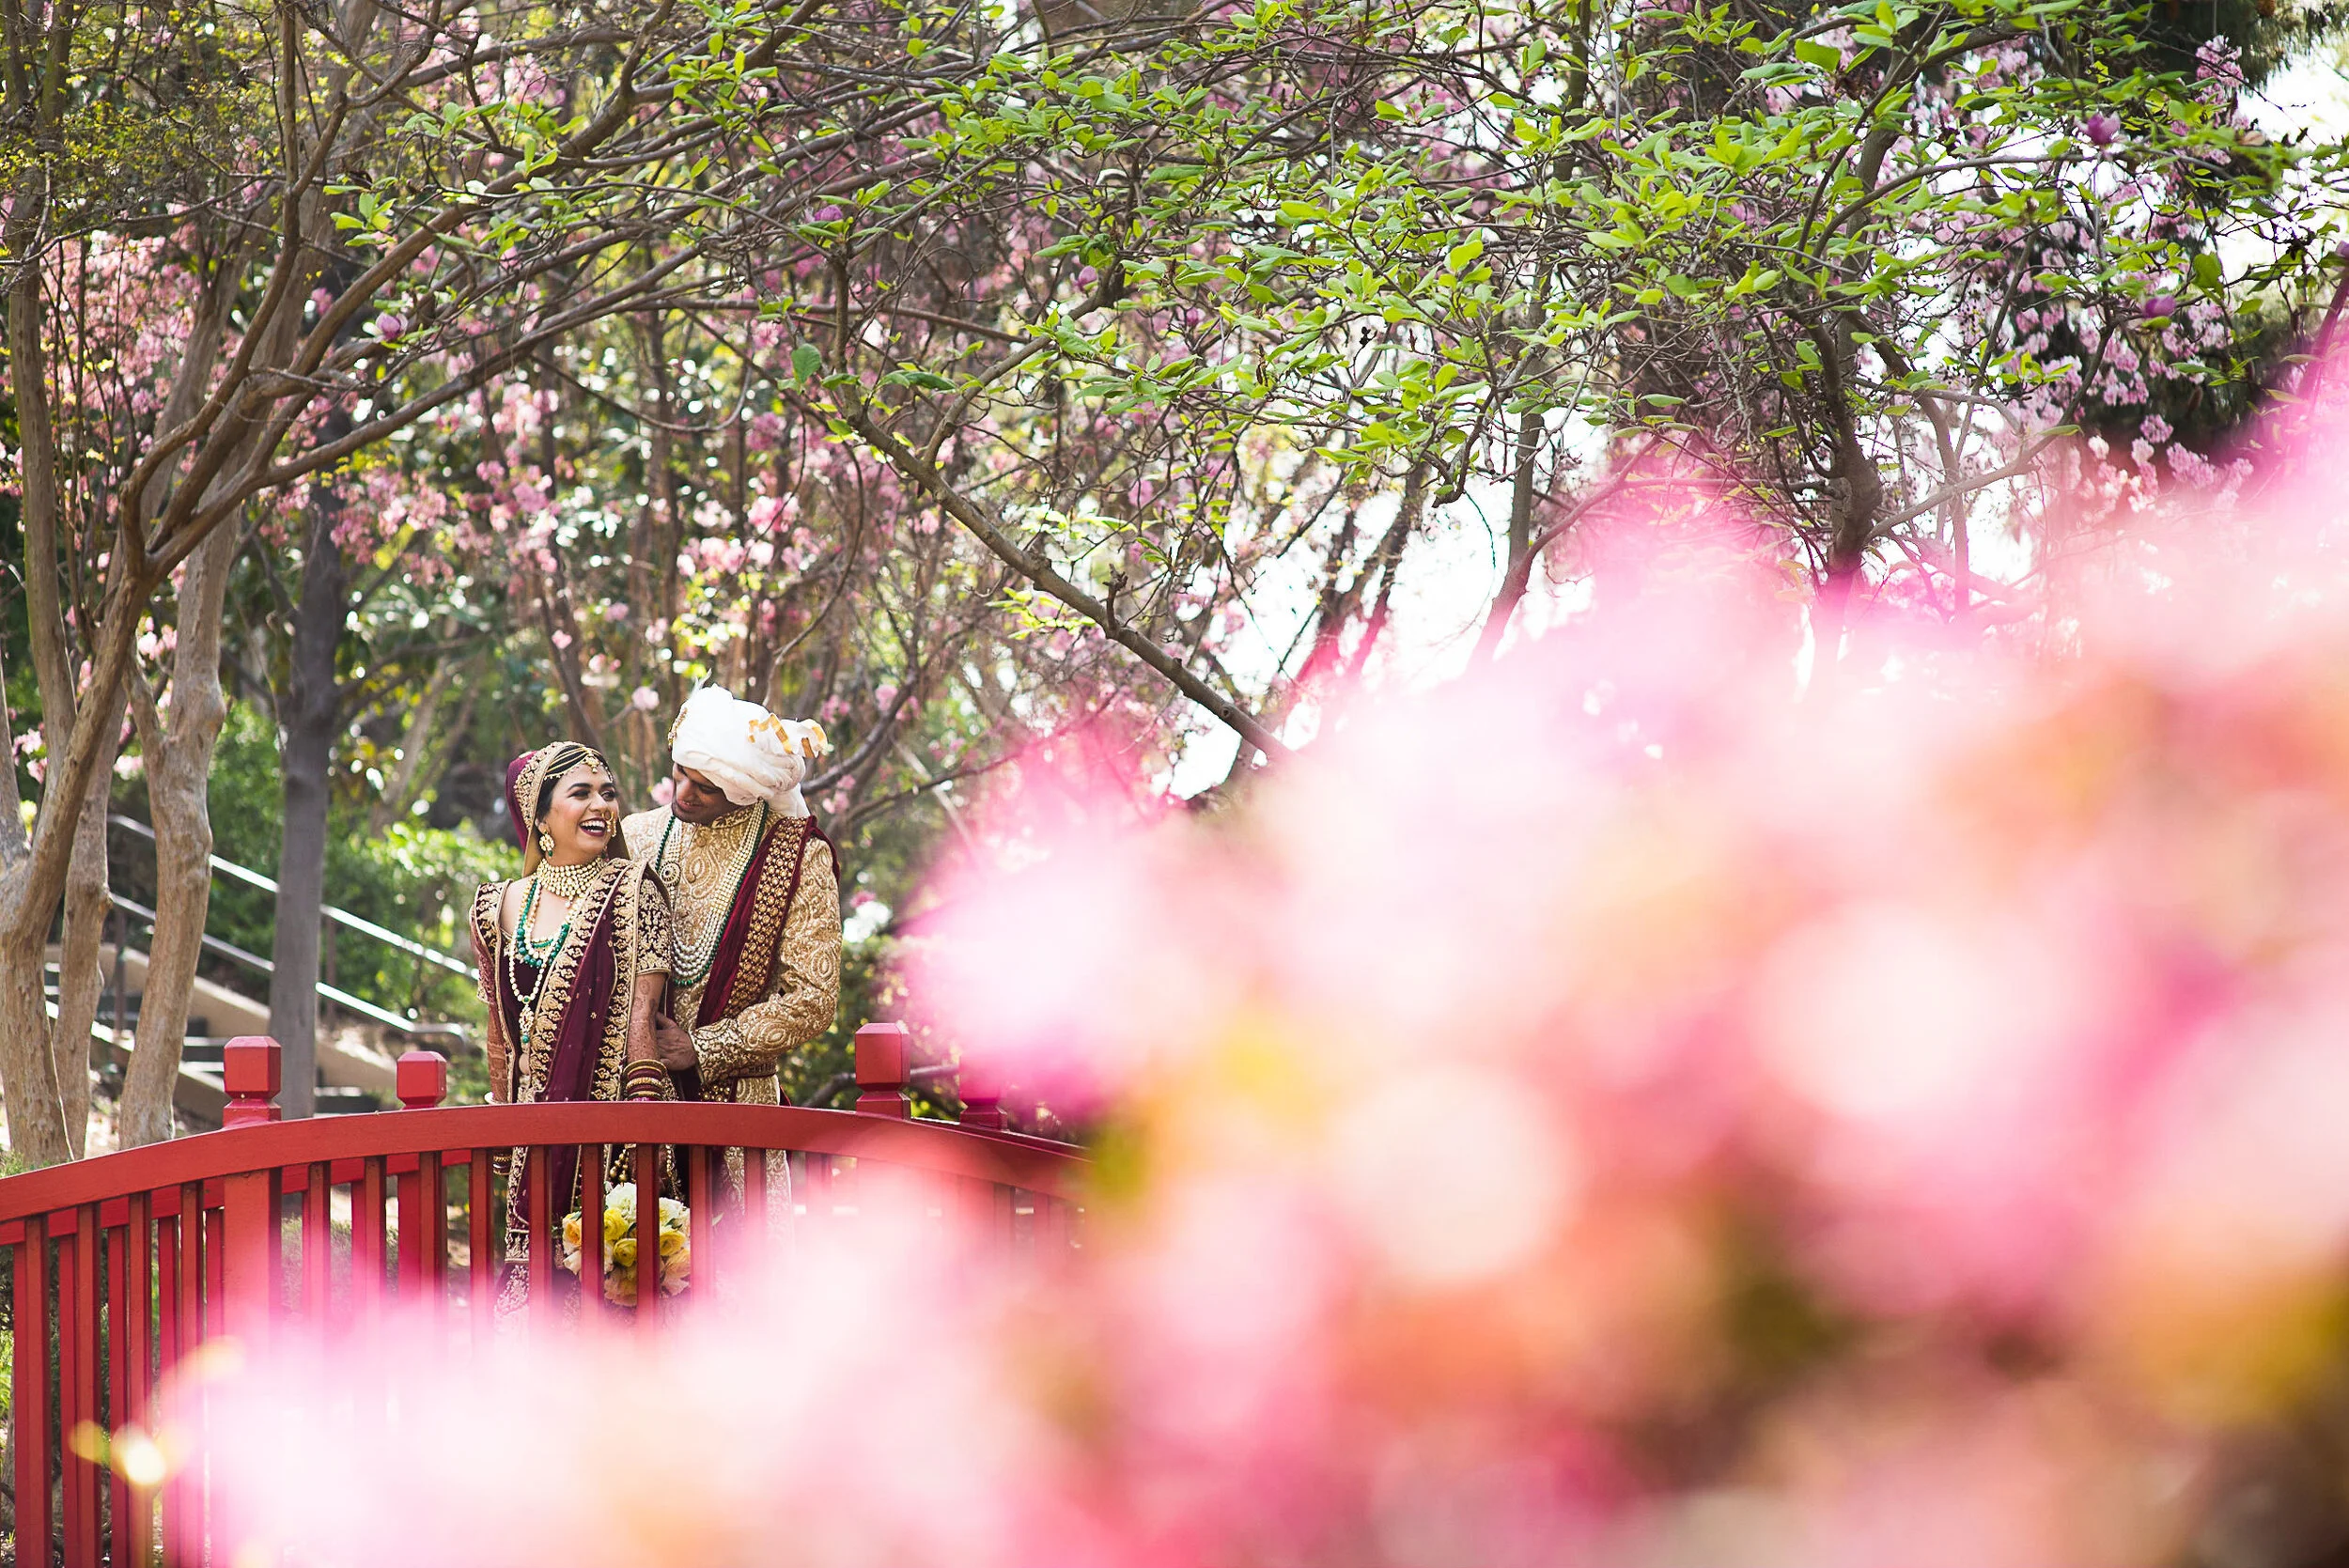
(215, 1256)
(592, 1204)
(367, 1243)
(120, 1374)
(647, 1171)
(252, 1070)
(753, 1229)
(543, 1310)
(29, 1437)
(183, 1533)
(480, 1231)
(817, 1169)
(701, 1212)
(880, 1071)
(421, 1080)
(166, 1355)
(318, 1244)
(77, 1382)
(982, 1091)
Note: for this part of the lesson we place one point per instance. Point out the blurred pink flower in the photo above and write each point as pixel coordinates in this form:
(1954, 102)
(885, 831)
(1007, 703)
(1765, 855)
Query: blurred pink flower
(1625, 1107)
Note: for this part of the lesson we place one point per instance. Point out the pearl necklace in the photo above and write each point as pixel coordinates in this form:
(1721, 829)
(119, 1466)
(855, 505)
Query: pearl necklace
(561, 881)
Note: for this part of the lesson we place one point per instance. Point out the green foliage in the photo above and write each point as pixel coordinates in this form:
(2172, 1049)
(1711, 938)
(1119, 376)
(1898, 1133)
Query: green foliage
(1793, 248)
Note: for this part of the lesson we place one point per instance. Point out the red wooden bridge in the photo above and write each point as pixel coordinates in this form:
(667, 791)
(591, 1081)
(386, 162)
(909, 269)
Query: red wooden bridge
(124, 1265)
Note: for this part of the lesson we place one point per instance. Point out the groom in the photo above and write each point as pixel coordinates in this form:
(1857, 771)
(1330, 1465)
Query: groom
(753, 894)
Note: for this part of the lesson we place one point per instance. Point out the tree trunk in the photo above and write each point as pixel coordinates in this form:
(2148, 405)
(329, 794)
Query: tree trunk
(1518, 575)
(183, 900)
(311, 709)
(179, 750)
(80, 978)
(28, 1076)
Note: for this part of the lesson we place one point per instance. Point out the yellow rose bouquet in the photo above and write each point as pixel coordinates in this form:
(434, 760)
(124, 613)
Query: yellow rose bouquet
(620, 1244)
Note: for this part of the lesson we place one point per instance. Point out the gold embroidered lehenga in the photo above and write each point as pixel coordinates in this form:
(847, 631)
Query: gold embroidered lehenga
(559, 1020)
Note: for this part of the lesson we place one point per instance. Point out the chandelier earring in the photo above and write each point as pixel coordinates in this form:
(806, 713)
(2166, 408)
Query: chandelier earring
(546, 842)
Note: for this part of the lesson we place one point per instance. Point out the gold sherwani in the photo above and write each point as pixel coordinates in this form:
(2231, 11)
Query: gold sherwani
(702, 870)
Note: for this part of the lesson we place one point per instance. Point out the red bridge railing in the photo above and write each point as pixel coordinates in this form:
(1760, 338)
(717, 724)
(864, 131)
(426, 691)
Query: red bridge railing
(123, 1266)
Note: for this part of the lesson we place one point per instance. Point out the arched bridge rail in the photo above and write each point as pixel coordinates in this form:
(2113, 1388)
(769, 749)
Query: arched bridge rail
(123, 1265)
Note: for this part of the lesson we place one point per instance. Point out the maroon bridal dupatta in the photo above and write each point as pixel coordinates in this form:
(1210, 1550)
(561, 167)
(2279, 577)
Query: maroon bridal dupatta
(579, 1038)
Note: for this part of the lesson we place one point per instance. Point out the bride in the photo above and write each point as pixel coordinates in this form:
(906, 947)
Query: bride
(573, 959)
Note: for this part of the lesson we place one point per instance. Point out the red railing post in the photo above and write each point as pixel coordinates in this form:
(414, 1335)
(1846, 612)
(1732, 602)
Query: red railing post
(421, 1080)
(982, 1091)
(880, 1071)
(423, 1234)
(253, 1069)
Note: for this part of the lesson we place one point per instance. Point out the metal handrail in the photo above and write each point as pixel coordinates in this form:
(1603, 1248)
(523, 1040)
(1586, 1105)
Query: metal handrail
(339, 998)
(341, 917)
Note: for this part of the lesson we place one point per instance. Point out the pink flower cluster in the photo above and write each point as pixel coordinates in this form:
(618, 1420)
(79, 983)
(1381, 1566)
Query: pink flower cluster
(1629, 1107)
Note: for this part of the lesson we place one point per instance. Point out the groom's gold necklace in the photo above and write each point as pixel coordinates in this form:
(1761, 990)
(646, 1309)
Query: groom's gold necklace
(698, 927)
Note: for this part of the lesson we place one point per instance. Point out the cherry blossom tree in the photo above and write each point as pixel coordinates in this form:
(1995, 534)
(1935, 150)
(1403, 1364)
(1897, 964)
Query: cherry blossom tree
(418, 207)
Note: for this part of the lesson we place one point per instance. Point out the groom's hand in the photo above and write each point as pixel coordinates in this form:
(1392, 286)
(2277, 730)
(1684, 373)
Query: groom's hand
(674, 1044)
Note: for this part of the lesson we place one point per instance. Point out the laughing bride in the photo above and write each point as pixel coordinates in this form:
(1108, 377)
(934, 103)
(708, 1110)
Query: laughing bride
(573, 959)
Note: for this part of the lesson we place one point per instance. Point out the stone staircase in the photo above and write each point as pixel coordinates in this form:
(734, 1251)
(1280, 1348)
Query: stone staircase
(354, 1074)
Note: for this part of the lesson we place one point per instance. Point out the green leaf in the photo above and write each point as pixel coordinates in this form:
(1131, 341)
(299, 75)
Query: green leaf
(806, 360)
(1826, 57)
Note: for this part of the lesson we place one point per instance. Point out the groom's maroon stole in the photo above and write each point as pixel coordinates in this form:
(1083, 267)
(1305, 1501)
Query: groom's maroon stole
(743, 966)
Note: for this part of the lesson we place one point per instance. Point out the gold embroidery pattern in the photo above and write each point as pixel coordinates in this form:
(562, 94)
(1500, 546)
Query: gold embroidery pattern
(486, 899)
(804, 987)
(605, 1085)
(785, 859)
(656, 942)
(614, 891)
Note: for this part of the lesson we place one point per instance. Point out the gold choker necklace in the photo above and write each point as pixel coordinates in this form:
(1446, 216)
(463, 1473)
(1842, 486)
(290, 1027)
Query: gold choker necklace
(566, 882)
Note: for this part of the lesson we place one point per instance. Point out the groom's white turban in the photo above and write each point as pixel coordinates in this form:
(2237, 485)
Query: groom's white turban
(746, 751)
